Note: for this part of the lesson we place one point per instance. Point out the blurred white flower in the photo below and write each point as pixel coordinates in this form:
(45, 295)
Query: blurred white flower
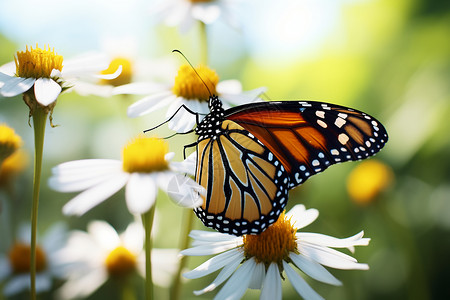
(139, 76)
(15, 264)
(192, 89)
(258, 261)
(46, 71)
(145, 167)
(184, 13)
(93, 257)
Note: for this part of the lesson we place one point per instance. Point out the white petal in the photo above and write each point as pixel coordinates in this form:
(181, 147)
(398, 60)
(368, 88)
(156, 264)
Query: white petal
(239, 282)
(258, 277)
(133, 237)
(16, 284)
(95, 195)
(301, 217)
(212, 236)
(313, 269)
(330, 257)
(43, 282)
(183, 190)
(140, 192)
(55, 238)
(140, 88)
(206, 12)
(4, 78)
(223, 275)
(213, 264)
(329, 241)
(85, 64)
(87, 88)
(209, 248)
(164, 265)
(299, 284)
(182, 121)
(46, 91)
(82, 174)
(187, 166)
(5, 267)
(86, 166)
(272, 284)
(104, 235)
(16, 85)
(110, 76)
(149, 104)
(82, 286)
(9, 69)
(231, 86)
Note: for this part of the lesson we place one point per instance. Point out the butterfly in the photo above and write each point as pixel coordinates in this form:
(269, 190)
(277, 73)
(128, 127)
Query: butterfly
(249, 156)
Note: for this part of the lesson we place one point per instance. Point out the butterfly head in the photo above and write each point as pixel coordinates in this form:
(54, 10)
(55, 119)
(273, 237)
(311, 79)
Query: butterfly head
(214, 103)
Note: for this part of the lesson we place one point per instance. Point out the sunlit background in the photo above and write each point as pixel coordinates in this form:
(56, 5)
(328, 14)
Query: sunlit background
(388, 58)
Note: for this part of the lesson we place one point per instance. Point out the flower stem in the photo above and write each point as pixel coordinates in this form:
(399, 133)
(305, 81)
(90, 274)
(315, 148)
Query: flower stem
(127, 290)
(39, 121)
(147, 220)
(203, 43)
(176, 286)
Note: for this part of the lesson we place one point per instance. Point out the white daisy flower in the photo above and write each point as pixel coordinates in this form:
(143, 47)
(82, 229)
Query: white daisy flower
(145, 167)
(139, 76)
(15, 264)
(47, 73)
(93, 257)
(192, 89)
(258, 261)
(184, 13)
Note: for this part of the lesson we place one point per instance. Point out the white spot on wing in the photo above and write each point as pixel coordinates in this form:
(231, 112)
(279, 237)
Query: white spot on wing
(343, 138)
(339, 122)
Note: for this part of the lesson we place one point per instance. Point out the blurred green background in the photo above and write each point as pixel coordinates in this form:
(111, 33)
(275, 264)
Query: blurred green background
(389, 58)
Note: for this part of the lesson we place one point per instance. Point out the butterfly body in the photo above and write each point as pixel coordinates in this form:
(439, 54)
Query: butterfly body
(249, 156)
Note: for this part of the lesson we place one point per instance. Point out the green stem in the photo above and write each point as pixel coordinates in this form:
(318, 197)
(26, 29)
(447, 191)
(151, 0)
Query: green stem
(203, 43)
(39, 121)
(176, 286)
(127, 290)
(147, 219)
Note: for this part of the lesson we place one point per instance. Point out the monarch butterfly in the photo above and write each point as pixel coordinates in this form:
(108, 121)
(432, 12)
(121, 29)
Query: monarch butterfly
(250, 156)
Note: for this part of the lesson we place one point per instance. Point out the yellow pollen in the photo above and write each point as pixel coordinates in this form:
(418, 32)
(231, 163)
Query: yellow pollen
(20, 258)
(145, 155)
(124, 77)
(274, 244)
(368, 180)
(189, 85)
(120, 262)
(9, 142)
(37, 63)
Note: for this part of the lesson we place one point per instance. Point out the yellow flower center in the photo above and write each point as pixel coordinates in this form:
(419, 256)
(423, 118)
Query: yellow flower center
(37, 63)
(367, 180)
(20, 258)
(13, 165)
(145, 155)
(189, 85)
(126, 74)
(274, 244)
(120, 262)
(9, 142)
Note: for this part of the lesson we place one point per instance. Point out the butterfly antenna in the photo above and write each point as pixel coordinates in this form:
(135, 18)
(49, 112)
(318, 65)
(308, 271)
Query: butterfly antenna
(181, 53)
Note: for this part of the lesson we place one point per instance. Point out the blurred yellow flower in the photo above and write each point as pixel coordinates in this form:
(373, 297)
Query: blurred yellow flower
(12, 166)
(9, 141)
(368, 180)
(127, 71)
